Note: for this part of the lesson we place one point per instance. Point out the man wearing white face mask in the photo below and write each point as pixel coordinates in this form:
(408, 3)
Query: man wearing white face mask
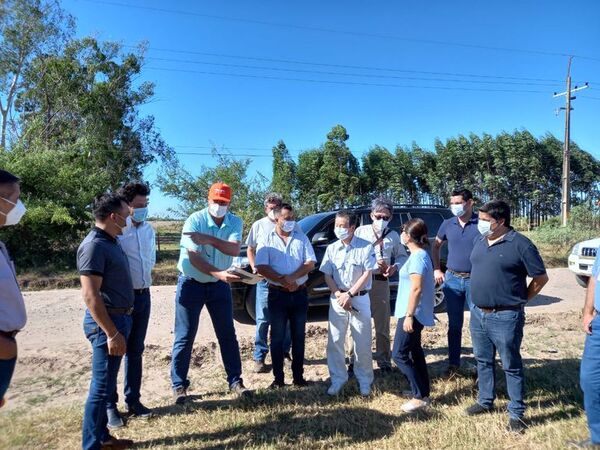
(460, 232)
(259, 230)
(390, 255)
(285, 257)
(139, 244)
(347, 266)
(12, 307)
(210, 239)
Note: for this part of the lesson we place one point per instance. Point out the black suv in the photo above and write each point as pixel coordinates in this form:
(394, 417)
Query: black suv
(319, 229)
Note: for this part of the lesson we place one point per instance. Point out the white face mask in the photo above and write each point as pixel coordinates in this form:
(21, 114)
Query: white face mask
(271, 215)
(288, 225)
(403, 240)
(458, 210)
(217, 210)
(15, 215)
(341, 233)
(484, 227)
(379, 225)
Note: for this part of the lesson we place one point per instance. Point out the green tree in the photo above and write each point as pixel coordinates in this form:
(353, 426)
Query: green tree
(309, 164)
(284, 172)
(377, 171)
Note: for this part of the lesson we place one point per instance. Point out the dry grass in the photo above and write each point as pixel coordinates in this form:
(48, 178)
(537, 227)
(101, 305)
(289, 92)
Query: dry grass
(307, 418)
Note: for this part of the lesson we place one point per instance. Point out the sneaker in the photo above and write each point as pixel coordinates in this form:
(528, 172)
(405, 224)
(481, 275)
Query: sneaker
(476, 409)
(239, 389)
(139, 410)
(350, 371)
(116, 444)
(516, 425)
(415, 405)
(365, 390)
(115, 420)
(260, 366)
(583, 444)
(180, 395)
(302, 382)
(334, 389)
(277, 385)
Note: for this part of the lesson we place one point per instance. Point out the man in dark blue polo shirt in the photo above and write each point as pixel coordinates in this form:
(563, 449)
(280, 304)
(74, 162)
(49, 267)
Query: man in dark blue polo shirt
(108, 294)
(501, 261)
(460, 232)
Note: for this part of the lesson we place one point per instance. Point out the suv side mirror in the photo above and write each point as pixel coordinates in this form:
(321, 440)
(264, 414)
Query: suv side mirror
(320, 238)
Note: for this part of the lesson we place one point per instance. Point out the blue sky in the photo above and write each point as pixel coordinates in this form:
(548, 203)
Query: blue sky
(411, 75)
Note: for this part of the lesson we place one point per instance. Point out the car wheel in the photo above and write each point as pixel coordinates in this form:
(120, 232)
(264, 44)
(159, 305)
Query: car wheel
(582, 280)
(251, 303)
(439, 302)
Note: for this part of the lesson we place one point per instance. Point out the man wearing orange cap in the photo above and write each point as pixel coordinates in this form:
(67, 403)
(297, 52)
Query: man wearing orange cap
(210, 239)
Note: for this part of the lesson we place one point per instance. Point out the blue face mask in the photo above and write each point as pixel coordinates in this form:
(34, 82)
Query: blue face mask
(140, 214)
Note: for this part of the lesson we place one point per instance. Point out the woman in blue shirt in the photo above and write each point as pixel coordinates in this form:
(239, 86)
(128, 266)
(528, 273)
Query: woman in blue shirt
(414, 309)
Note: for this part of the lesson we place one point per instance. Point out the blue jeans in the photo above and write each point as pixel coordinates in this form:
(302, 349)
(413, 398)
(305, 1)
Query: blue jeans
(408, 355)
(135, 348)
(284, 308)
(104, 379)
(500, 331)
(261, 347)
(7, 367)
(457, 290)
(590, 380)
(190, 298)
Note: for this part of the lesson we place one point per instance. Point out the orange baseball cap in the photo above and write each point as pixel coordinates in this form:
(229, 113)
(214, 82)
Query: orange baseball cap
(220, 191)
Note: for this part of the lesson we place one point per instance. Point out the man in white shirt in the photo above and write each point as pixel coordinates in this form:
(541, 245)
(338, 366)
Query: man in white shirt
(138, 241)
(284, 258)
(258, 231)
(12, 306)
(386, 243)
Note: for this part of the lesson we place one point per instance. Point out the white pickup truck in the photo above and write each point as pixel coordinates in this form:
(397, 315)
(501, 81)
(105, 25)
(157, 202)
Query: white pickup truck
(582, 259)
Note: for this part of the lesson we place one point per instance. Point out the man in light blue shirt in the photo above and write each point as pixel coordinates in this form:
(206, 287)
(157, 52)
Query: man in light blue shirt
(138, 241)
(210, 239)
(285, 257)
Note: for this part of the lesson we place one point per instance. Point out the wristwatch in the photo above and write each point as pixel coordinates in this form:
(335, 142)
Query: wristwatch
(350, 294)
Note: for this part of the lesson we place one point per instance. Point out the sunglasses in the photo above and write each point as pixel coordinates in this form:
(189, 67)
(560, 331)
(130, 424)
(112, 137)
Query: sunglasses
(379, 216)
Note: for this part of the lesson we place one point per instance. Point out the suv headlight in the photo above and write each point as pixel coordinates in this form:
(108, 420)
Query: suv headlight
(575, 250)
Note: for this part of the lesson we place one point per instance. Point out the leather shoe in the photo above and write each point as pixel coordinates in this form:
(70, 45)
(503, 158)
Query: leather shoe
(114, 419)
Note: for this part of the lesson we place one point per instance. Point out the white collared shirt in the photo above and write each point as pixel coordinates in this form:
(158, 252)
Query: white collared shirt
(12, 307)
(139, 244)
(391, 246)
(347, 263)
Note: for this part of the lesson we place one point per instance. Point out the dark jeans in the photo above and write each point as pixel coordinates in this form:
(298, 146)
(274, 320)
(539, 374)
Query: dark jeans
(7, 367)
(500, 331)
(191, 297)
(408, 355)
(590, 380)
(287, 307)
(261, 347)
(104, 379)
(135, 348)
(457, 291)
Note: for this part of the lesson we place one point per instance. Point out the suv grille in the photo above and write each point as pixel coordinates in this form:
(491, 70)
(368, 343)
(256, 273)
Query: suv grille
(588, 251)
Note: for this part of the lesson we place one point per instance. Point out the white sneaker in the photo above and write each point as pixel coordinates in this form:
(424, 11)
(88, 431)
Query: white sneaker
(415, 405)
(334, 389)
(365, 390)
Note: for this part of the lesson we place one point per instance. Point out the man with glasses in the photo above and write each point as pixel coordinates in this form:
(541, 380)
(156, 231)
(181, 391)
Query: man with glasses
(390, 255)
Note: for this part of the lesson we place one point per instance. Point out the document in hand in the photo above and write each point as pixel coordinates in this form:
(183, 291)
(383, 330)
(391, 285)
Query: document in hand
(245, 276)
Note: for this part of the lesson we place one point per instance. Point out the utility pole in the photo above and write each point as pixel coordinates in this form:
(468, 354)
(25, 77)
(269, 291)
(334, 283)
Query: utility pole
(565, 204)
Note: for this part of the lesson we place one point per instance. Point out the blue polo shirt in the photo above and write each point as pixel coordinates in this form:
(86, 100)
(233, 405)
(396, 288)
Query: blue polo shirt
(202, 222)
(596, 275)
(460, 242)
(499, 272)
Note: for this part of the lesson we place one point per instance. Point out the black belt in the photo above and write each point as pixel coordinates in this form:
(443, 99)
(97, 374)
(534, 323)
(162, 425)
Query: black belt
(119, 311)
(380, 277)
(501, 308)
(284, 289)
(460, 274)
(141, 291)
(9, 334)
(358, 294)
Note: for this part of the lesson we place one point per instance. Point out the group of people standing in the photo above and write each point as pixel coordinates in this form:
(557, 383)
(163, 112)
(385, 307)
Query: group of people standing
(487, 268)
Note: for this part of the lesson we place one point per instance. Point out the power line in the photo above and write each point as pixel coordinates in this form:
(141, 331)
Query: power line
(334, 31)
(282, 69)
(353, 83)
